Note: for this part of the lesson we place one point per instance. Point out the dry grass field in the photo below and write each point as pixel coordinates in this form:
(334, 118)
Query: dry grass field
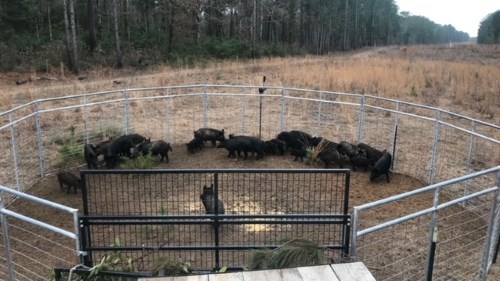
(461, 78)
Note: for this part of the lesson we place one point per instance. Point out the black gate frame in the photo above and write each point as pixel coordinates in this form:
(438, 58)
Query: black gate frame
(215, 220)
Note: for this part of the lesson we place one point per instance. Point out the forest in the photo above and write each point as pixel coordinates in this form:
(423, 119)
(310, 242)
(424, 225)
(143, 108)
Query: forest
(39, 35)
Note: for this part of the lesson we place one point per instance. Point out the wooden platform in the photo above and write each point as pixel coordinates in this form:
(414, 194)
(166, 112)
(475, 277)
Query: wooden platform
(356, 271)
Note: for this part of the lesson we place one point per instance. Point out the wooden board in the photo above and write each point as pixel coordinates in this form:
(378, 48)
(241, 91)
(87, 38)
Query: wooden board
(318, 273)
(355, 271)
(336, 272)
(235, 276)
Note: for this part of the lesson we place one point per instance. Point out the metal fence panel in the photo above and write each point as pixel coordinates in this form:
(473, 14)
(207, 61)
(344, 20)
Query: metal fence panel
(465, 227)
(262, 202)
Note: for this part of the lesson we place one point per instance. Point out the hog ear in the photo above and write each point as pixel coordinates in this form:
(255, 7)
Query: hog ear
(222, 131)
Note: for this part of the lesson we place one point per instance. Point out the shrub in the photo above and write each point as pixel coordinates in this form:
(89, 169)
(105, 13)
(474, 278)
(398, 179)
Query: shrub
(294, 253)
(141, 162)
(311, 156)
(71, 150)
(165, 266)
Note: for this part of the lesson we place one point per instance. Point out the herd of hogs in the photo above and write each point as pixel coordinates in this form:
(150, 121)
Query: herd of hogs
(297, 143)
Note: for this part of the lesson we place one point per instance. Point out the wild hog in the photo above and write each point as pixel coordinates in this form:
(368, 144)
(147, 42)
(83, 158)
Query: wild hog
(68, 179)
(333, 156)
(299, 153)
(90, 155)
(382, 167)
(161, 148)
(371, 153)
(209, 134)
(194, 145)
(208, 199)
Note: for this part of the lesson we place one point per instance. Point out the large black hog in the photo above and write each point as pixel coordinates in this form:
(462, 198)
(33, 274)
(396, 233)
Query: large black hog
(161, 148)
(208, 200)
(350, 150)
(299, 153)
(279, 146)
(324, 144)
(382, 167)
(143, 148)
(371, 153)
(70, 180)
(359, 161)
(102, 147)
(292, 140)
(209, 134)
(243, 144)
(90, 155)
(121, 146)
(303, 137)
(194, 145)
(333, 156)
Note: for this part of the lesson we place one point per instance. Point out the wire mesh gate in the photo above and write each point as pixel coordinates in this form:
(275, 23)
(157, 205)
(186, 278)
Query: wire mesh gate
(149, 214)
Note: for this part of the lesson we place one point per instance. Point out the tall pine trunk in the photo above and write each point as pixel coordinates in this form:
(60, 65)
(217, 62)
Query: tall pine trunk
(91, 25)
(119, 56)
(69, 21)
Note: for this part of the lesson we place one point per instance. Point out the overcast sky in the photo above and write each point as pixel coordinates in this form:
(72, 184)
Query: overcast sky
(464, 15)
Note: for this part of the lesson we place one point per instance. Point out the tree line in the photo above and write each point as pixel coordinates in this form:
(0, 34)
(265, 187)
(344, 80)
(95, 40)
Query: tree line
(144, 32)
(489, 29)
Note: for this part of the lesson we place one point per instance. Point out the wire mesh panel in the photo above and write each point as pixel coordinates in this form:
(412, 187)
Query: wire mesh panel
(234, 110)
(27, 150)
(35, 251)
(398, 252)
(161, 210)
(399, 247)
(452, 159)
(378, 128)
(461, 241)
(414, 147)
(159, 192)
(9, 172)
(34, 248)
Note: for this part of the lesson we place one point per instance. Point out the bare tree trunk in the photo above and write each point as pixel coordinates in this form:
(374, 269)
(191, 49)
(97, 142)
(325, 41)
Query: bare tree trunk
(91, 25)
(49, 22)
(345, 24)
(126, 21)
(73, 35)
(70, 35)
(171, 28)
(119, 62)
(258, 20)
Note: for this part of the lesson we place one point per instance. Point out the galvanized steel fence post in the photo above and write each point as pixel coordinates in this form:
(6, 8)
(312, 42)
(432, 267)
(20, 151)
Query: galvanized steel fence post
(469, 155)
(320, 105)
(168, 101)
(205, 106)
(245, 105)
(492, 231)
(85, 121)
(6, 242)
(127, 111)
(435, 147)
(394, 132)
(39, 138)
(361, 119)
(353, 253)
(14, 152)
(282, 111)
(432, 235)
